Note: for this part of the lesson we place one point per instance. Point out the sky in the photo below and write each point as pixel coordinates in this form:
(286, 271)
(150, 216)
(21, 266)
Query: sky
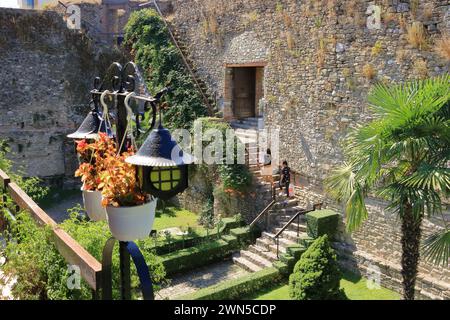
(9, 3)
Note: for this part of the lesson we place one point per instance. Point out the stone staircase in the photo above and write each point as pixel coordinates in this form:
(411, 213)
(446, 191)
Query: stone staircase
(263, 253)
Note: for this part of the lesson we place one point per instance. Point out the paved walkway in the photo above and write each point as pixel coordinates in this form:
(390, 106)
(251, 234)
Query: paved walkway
(58, 211)
(203, 277)
(6, 283)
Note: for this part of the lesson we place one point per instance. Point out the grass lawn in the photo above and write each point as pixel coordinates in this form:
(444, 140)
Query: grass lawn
(354, 286)
(172, 217)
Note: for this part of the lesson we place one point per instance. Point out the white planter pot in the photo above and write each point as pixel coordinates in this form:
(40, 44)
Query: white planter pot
(131, 223)
(93, 205)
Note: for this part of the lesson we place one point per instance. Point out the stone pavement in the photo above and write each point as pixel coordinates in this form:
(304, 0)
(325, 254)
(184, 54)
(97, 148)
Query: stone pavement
(6, 283)
(203, 277)
(58, 211)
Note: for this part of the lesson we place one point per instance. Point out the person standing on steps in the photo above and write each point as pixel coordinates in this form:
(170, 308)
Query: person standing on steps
(285, 177)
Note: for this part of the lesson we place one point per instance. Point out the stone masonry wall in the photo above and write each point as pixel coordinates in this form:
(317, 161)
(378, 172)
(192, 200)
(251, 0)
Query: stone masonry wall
(47, 72)
(320, 62)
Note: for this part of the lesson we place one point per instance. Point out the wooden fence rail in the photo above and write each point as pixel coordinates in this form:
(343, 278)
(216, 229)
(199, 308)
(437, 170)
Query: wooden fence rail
(71, 250)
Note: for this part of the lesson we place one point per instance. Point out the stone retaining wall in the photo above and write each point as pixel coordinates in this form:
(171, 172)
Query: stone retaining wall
(47, 73)
(320, 62)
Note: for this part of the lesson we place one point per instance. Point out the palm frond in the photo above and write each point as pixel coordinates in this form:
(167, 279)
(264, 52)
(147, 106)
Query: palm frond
(344, 186)
(436, 248)
(429, 177)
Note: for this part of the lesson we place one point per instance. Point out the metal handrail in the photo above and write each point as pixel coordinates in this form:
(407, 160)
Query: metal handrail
(296, 216)
(266, 209)
(186, 63)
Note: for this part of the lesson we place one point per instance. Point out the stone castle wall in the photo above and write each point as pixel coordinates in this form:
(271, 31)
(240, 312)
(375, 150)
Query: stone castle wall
(47, 73)
(318, 71)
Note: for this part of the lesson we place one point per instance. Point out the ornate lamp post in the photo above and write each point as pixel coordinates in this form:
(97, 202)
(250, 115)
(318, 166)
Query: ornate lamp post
(161, 167)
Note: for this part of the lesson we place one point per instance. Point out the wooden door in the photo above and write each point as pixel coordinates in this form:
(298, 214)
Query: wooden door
(244, 92)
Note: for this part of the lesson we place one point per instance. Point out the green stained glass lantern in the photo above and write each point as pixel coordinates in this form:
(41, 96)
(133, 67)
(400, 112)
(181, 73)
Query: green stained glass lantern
(161, 165)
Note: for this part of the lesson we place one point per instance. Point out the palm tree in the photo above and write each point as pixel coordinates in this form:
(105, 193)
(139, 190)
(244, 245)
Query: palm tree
(402, 156)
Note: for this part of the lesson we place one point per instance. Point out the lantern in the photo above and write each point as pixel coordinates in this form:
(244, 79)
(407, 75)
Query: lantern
(161, 165)
(91, 126)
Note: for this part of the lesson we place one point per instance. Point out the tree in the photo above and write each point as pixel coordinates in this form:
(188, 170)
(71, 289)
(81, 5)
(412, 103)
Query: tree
(402, 156)
(316, 275)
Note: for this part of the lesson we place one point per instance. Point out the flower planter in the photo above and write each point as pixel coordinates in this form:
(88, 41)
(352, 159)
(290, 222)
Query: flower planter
(131, 223)
(93, 205)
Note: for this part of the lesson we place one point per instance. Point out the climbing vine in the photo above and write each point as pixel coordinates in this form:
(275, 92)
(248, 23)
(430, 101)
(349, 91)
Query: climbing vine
(148, 40)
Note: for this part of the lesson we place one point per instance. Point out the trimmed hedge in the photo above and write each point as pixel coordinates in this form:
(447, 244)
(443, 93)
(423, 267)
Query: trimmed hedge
(197, 256)
(232, 240)
(179, 243)
(244, 235)
(237, 288)
(322, 222)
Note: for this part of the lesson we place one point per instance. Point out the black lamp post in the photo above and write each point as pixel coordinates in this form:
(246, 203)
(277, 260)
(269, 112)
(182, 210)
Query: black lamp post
(161, 168)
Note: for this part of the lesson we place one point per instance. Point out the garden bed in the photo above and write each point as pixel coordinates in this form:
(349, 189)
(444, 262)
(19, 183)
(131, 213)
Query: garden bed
(355, 288)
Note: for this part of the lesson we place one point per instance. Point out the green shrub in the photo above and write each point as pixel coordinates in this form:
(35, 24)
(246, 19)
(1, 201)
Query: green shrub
(33, 259)
(237, 288)
(197, 256)
(235, 176)
(42, 273)
(316, 275)
(322, 222)
(245, 235)
(32, 186)
(193, 239)
(150, 44)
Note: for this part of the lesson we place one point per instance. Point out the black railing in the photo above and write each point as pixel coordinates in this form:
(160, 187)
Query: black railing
(296, 216)
(263, 213)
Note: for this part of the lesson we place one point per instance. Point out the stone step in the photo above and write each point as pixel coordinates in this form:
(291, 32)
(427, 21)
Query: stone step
(288, 234)
(288, 211)
(255, 259)
(248, 119)
(270, 245)
(283, 241)
(245, 264)
(285, 204)
(283, 219)
(292, 227)
(242, 127)
(263, 252)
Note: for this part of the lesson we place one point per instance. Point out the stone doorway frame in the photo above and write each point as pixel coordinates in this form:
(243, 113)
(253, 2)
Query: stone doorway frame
(228, 110)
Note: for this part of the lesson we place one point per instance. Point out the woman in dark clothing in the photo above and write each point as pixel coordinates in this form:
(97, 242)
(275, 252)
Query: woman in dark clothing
(285, 177)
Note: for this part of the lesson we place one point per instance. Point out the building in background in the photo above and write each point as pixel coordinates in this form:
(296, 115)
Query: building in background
(34, 4)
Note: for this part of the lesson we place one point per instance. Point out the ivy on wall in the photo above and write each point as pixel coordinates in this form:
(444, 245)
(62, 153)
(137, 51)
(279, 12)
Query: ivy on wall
(150, 44)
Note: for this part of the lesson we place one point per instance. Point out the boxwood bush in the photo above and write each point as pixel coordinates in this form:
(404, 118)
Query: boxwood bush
(316, 275)
(179, 243)
(322, 222)
(197, 256)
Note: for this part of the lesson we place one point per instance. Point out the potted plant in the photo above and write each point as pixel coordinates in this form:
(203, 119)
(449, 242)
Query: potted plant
(92, 163)
(130, 212)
